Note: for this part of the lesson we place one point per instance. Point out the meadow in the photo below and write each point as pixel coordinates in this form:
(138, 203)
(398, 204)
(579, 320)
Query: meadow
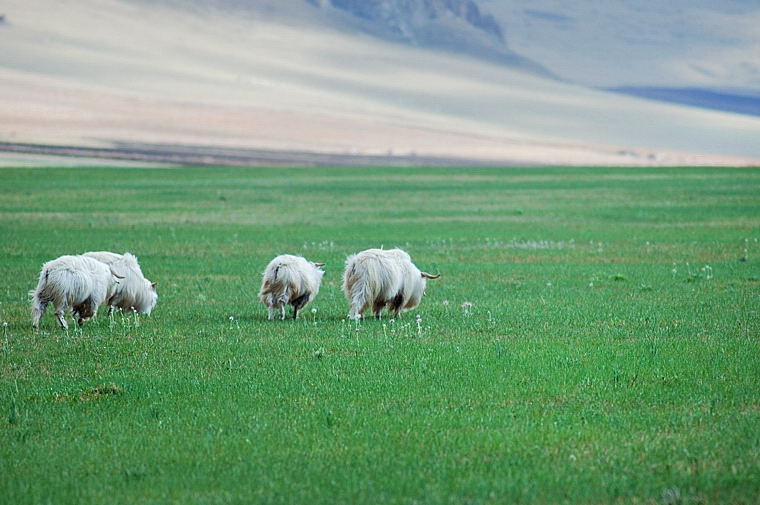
(594, 338)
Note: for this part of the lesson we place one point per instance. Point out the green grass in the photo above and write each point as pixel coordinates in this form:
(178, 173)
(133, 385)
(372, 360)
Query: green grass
(594, 338)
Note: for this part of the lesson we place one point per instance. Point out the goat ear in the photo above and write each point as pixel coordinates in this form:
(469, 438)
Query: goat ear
(319, 264)
(429, 276)
(153, 285)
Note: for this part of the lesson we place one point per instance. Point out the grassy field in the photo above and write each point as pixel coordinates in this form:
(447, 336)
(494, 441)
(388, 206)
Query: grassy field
(594, 338)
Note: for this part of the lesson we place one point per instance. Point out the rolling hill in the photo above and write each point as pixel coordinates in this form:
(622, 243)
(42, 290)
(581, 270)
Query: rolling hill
(291, 75)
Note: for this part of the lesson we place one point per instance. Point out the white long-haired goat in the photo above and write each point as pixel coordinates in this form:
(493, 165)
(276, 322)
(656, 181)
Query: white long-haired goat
(379, 278)
(72, 281)
(134, 292)
(289, 280)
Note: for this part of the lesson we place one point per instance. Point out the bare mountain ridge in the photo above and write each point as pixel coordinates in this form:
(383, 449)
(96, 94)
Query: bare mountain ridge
(457, 26)
(404, 17)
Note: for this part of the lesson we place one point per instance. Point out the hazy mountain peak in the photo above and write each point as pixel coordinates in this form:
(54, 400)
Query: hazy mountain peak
(456, 26)
(406, 18)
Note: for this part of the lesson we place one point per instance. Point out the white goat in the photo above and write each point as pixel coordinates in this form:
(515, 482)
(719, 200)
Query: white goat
(290, 280)
(134, 292)
(380, 279)
(72, 281)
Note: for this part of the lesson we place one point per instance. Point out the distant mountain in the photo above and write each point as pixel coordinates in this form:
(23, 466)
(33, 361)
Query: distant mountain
(459, 26)
(370, 78)
(408, 18)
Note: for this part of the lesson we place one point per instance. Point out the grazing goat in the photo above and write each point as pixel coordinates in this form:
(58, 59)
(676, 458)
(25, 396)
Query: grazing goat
(72, 281)
(379, 278)
(134, 292)
(290, 280)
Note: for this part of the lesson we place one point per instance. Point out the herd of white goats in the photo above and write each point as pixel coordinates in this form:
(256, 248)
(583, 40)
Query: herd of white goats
(374, 279)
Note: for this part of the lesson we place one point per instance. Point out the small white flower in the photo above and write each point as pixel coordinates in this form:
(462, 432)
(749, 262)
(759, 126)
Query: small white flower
(5, 324)
(549, 284)
(232, 318)
(466, 305)
(445, 303)
(313, 311)
(591, 284)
